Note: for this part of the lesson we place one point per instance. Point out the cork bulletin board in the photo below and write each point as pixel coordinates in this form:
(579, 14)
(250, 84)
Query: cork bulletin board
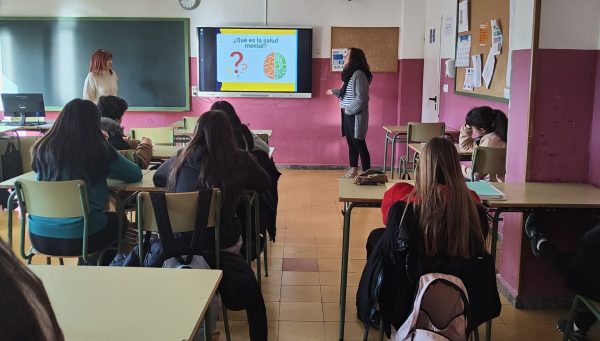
(481, 12)
(379, 43)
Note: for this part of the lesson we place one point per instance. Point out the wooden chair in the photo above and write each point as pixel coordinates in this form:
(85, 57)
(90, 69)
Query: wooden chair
(182, 208)
(592, 305)
(488, 160)
(38, 198)
(162, 135)
(189, 124)
(418, 133)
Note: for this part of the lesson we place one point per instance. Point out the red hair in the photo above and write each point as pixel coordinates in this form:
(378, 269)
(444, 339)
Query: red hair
(99, 59)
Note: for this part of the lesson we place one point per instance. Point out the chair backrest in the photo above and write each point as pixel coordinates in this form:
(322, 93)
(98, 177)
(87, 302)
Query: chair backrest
(488, 160)
(53, 199)
(189, 123)
(162, 135)
(182, 208)
(423, 132)
(25, 144)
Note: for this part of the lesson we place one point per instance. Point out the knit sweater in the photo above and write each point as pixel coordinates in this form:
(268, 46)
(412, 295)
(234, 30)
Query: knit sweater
(100, 84)
(356, 103)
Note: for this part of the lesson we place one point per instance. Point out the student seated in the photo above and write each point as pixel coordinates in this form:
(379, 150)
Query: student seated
(491, 125)
(212, 160)
(245, 138)
(435, 222)
(75, 149)
(25, 310)
(113, 108)
(579, 267)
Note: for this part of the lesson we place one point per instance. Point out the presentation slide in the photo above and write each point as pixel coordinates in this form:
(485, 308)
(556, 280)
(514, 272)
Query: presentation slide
(257, 59)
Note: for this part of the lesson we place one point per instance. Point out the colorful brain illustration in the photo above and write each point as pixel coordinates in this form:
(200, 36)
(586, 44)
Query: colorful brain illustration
(274, 66)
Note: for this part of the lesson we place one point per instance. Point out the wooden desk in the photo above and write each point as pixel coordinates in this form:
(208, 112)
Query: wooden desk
(90, 302)
(462, 155)
(394, 134)
(40, 128)
(164, 152)
(113, 184)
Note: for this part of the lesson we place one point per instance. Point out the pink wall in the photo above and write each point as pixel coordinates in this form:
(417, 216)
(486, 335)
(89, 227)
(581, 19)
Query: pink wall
(516, 162)
(305, 131)
(454, 107)
(594, 171)
(564, 104)
(410, 90)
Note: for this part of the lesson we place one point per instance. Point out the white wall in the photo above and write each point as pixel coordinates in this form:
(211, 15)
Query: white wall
(573, 24)
(412, 29)
(321, 14)
(521, 24)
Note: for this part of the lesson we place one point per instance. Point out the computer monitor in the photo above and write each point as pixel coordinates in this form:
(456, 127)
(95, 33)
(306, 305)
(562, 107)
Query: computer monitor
(23, 106)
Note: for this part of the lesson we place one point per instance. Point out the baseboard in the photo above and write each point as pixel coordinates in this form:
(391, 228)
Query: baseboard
(521, 302)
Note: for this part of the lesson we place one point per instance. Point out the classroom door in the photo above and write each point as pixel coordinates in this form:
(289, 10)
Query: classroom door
(431, 71)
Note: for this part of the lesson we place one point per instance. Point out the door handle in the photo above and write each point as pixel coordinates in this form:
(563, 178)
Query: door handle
(434, 99)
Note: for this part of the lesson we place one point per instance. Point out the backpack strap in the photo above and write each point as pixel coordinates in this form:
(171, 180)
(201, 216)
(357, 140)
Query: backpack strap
(204, 201)
(165, 231)
(159, 206)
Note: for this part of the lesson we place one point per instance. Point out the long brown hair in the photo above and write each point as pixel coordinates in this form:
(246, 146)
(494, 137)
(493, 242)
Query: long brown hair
(98, 61)
(74, 147)
(213, 150)
(448, 216)
(25, 310)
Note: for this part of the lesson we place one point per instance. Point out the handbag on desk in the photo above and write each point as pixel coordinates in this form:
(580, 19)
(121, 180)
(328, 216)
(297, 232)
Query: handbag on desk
(371, 177)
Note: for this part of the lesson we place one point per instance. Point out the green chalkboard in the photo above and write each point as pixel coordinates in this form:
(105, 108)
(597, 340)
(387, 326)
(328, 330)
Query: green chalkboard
(52, 56)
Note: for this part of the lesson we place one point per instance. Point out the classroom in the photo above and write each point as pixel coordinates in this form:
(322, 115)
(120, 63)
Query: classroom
(235, 105)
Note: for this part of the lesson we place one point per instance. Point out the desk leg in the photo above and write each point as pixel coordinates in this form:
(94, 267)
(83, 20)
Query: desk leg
(344, 275)
(10, 208)
(207, 325)
(393, 163)
(495, 221)
(385, 146)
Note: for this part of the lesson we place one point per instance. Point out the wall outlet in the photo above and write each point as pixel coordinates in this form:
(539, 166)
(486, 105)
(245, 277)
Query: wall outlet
(445, 87)
(194, 91)
(317, 51)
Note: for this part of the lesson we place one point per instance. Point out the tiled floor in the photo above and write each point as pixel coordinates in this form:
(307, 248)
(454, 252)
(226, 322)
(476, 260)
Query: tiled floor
(302, 290)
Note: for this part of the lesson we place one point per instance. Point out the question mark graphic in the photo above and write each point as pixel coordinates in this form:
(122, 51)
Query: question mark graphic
(238, 61)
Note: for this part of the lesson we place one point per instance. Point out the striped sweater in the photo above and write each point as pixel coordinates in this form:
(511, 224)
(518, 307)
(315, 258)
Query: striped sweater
(356, 103)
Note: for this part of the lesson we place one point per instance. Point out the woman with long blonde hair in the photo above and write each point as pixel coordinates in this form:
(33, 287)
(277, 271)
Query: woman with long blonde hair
(437, 225)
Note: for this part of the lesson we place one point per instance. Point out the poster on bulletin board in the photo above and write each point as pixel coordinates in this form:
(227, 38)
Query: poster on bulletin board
(484, 44)
(337, 59)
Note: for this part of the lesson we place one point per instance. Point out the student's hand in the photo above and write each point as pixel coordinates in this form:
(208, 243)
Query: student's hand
(466, 130)
(329, 92)
(104, 134)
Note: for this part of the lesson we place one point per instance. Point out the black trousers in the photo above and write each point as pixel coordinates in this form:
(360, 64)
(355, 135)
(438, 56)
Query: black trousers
(356, 147)
(578, 269)
(239, 290)
(73, 246)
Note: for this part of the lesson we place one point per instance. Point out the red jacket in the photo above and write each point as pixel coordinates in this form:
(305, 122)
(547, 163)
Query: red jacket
(400, 191)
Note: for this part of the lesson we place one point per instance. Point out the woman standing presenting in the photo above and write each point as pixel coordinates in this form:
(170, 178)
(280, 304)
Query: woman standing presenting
(102, 79)
(354, 104)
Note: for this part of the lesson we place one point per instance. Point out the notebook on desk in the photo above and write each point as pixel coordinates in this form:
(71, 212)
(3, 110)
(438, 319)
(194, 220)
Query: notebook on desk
(486, 190)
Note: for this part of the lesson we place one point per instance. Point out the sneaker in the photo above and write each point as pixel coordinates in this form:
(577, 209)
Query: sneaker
(351, 174)
(535, 233)
(576, 334)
